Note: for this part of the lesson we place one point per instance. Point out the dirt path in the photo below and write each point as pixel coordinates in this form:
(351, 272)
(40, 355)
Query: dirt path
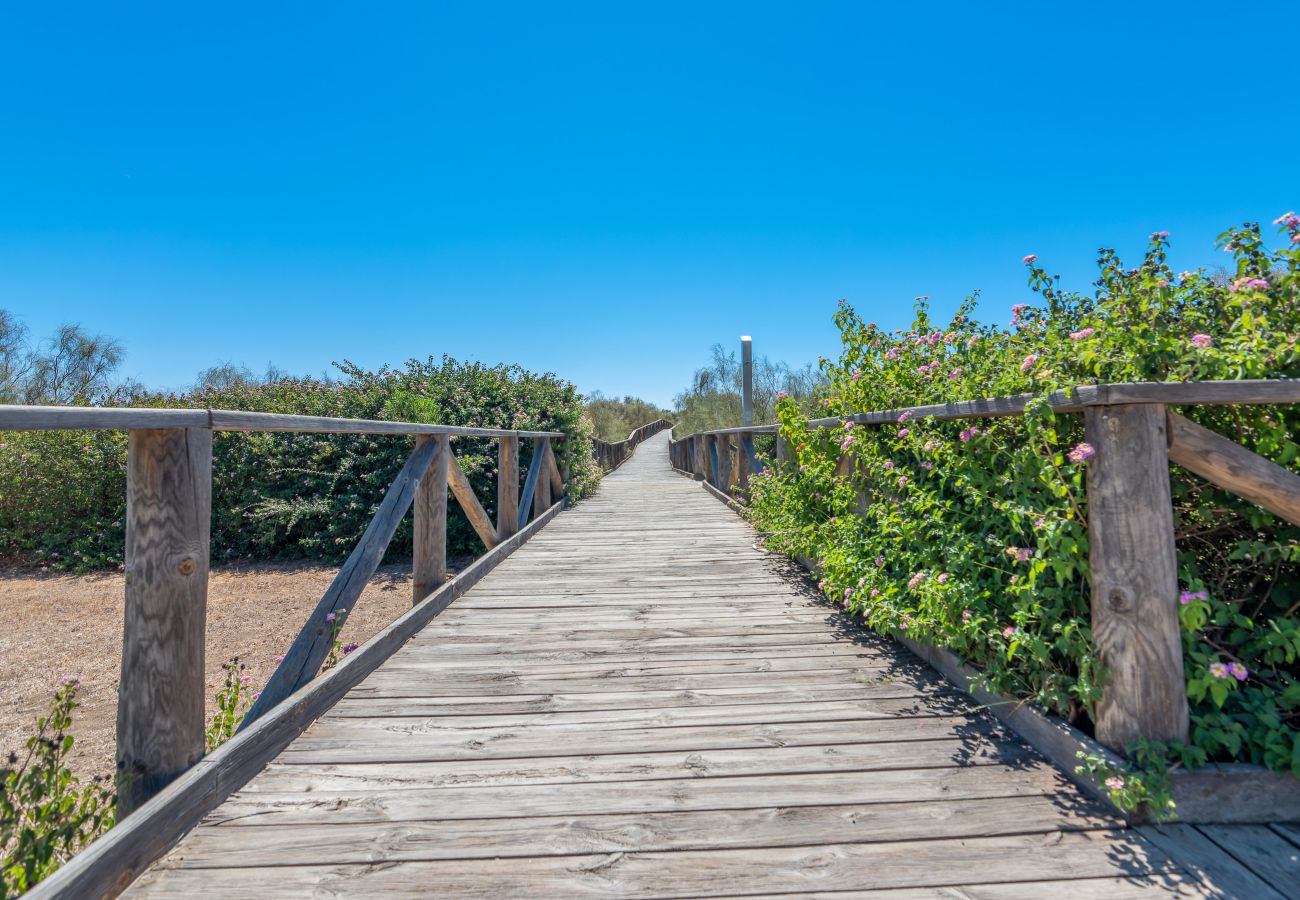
(56, 625)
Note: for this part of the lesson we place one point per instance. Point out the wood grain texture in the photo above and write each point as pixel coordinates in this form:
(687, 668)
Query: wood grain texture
(1134, 577)
(160, 694)
(542, 496)
(469, 503)
(507, 487)
(304, 657)
(429, 542)
(598, 756)
(528, 500)
(1234, 468)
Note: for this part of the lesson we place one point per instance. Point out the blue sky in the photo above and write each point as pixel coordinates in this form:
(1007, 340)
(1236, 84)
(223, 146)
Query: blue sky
(605, 190)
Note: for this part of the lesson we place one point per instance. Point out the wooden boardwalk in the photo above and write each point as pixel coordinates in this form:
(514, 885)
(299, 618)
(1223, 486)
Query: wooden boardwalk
(639, 702)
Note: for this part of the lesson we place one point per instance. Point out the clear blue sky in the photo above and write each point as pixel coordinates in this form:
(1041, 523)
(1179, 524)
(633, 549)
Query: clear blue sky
(606, 189)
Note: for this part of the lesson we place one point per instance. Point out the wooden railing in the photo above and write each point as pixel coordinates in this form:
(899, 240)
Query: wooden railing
(611, 455)
(1132, 563)
(160, 714)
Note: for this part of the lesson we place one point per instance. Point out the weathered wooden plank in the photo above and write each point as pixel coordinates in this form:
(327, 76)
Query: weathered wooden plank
(160, 693)
(647, 832)
(700, 873)
(230, 420)
(429, 543)
(304, 657)
(1134, 577)
(1234, 468)
(54, 418)
(354, 740)
(1218, 872)
(1265, 853)
(480, 802)
(465, 496)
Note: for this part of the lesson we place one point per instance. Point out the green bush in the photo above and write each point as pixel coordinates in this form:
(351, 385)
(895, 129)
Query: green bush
(289, 496)
(614, 419)
(972, 534)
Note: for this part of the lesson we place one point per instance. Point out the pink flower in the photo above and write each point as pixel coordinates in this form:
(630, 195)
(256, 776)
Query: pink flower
(1159, 235)
(1083, 450)
(1219, 670)
(1285, 218)
(904, 416)
(1009, 631)
(1187, 597)
(1039, 523)
(955, 373)
(280, 658)
(943, 578)
(889, 464)
(880, 561)
(965, 434)
(1238, 671)
(902, 480)
(844, 444)
(927, 465)
(70, 680)
(781, 395)
(1202, 340)
(821, 585)
(916, 580)
(875, 592)
(903, 432)
(892, 353)
(1030, 259)
(857, 373)
(1028, 362)
(967, 614)
(973, 340)
(245, 680)
(1082, 333)
(1114, 782)
(929, 445)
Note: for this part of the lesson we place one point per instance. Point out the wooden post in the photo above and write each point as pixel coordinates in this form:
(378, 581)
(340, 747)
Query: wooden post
(700, 456)
(160, 693)
(722, 465)
(782, 451)
(429, 547)
(712, 470)
(1134, 576)
(507, 487)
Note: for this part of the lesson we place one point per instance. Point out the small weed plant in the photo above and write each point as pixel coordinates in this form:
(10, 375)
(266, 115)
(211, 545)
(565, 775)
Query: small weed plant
(46, 813)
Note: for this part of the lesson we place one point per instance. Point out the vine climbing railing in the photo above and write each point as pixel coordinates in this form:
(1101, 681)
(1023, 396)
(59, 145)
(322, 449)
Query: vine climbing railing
(611, 455)
(160, 714)
(1132, 563)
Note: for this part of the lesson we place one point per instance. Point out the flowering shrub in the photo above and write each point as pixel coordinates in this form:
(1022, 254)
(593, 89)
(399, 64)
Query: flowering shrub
(46, 814)
(233, 701)
(63, 494)
(972, 535)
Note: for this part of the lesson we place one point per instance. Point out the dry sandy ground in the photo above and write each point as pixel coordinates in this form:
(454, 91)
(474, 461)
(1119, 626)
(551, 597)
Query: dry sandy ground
(55, 625)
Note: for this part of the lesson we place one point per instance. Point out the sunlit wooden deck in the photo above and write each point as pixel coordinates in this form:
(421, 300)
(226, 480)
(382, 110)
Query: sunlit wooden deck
(638, 702)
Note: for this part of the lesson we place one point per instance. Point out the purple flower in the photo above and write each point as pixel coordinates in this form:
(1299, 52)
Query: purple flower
(70, 680)
(1202, 340)
(1219, 670)
(903, 432)
(1187, 597)
(875, 592)
(245, 680)
(1009, 631)
(966, 614)
(889, 464)
(943, 578)
(1238, 671)
(965, 434)
(1083, 450)
(902, 480)
(331, 617)
(904, 416)
(857, 373)
(880, 561)
(348, 648)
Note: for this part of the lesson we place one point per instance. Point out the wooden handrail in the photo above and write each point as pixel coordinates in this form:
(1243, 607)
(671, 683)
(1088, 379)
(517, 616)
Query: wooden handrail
(1132, 562)
(60, 418)
(1169, 393)
(160, 731)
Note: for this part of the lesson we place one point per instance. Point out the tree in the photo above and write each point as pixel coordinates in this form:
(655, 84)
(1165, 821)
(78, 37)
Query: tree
(72, 366)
